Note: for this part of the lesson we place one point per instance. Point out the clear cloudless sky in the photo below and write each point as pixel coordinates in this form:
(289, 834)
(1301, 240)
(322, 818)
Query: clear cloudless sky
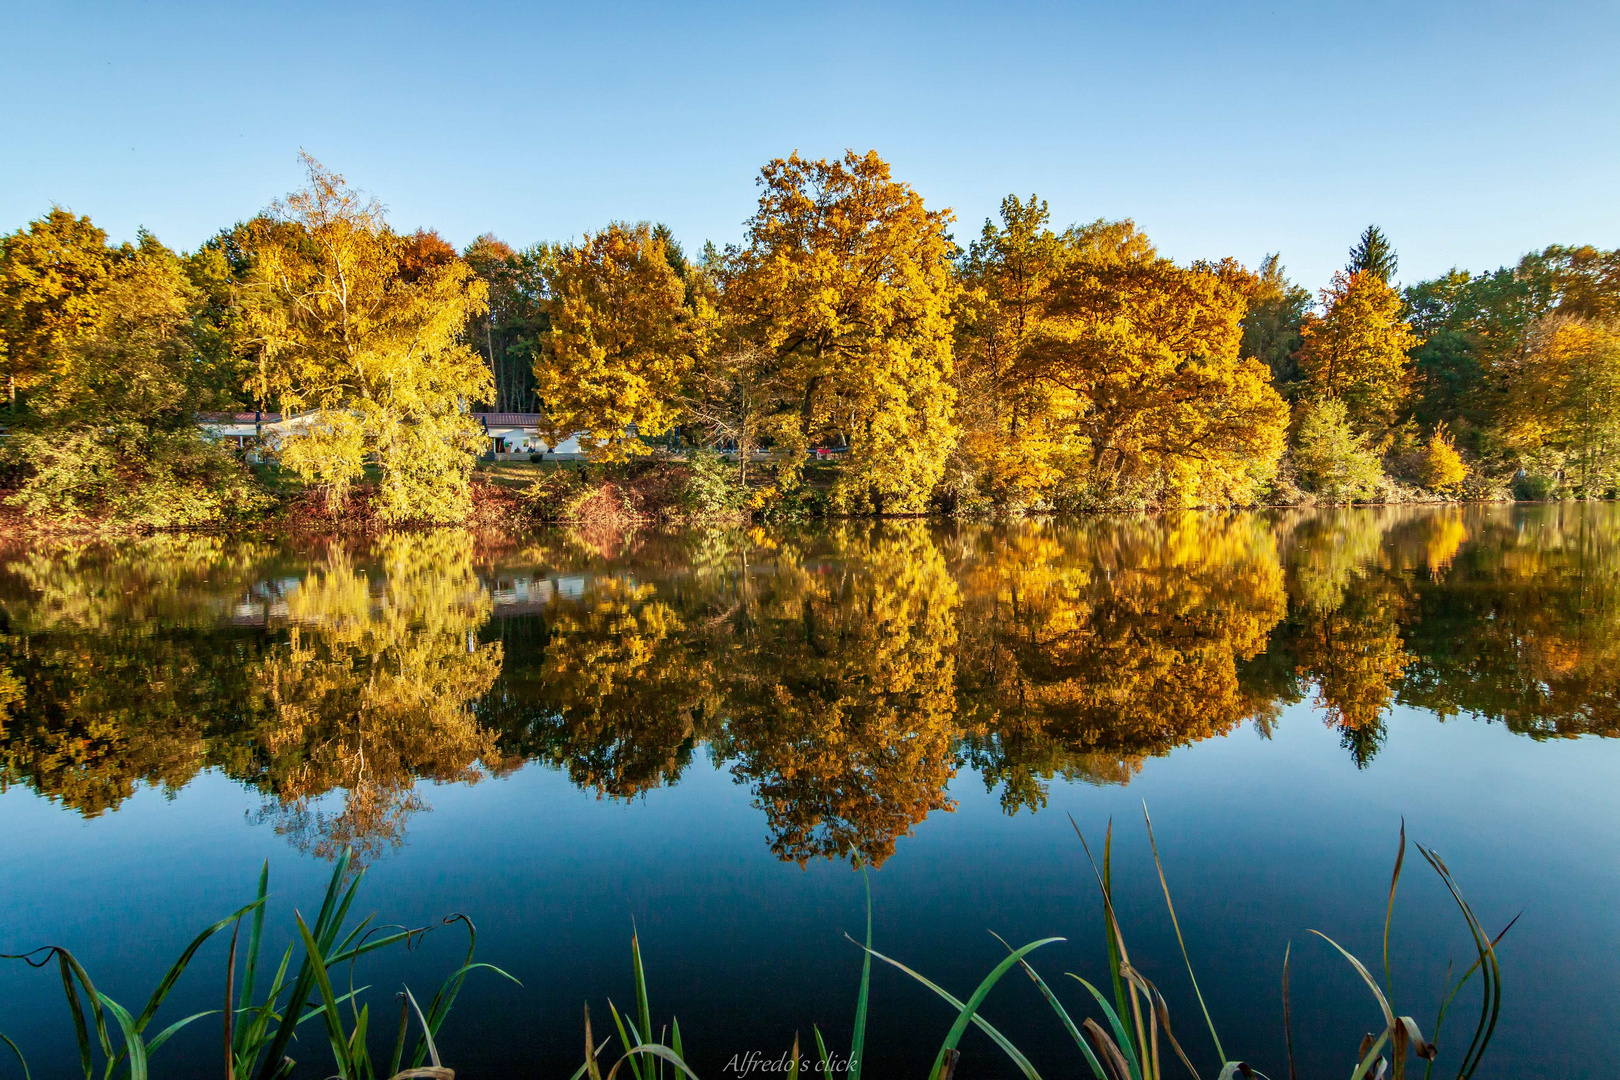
(1471, 132)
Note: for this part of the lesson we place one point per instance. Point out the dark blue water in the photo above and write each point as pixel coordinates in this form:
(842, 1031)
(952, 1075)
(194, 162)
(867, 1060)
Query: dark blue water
(670, 725)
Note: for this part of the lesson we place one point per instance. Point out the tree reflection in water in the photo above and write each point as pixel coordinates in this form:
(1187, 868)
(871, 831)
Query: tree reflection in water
(842, 674)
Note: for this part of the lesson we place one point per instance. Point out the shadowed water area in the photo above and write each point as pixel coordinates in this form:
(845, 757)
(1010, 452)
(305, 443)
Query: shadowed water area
(703, 731)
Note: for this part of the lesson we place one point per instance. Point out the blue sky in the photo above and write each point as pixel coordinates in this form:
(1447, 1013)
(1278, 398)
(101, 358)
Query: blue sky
(1470, 132)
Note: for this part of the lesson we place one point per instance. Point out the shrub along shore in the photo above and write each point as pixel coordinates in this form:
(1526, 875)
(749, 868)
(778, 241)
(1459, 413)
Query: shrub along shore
(1035, 370)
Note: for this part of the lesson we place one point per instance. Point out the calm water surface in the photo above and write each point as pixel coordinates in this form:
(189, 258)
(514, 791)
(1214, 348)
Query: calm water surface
(701, 732)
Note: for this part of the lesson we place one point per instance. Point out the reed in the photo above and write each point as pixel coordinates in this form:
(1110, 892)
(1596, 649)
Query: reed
(1132, 1040)
(259, 1017)
(1132, 1044)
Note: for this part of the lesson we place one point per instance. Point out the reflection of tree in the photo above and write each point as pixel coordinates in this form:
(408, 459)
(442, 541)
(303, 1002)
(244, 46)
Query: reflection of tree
(372, 689)
(118, 670)
(840, 693)
(155, 659)
(623, 695)
(1349, 580)
(1525, 624)
(841, 673)
(1093, 646)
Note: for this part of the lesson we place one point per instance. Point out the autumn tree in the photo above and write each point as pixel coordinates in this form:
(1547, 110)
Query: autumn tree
(361, 331)
(1482, 342)
(845, 281)
(1356, 350)
(1567, 402)
(622, 341)
(1013, 440)
(1443, 467)
(108, 428)
(1142, 358)
(52, 275)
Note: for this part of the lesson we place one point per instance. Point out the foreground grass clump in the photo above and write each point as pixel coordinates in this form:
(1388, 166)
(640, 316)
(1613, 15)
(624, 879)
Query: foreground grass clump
(1133, 1041)
(260, 1026)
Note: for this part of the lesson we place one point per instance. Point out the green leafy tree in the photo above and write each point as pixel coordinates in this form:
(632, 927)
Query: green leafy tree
(1333, 459)
(509, 334)
(1271, 328)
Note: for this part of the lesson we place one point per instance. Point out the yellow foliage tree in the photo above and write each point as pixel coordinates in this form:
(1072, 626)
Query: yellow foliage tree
(1013, 441)
(846, 282)
(51, 278)
(622, 341)
(1356, 349)
(1142, 360)
(372, 353)
(1443, 467)
(1566, 399)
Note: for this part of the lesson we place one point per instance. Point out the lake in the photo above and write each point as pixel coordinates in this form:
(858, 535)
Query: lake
(701, 735)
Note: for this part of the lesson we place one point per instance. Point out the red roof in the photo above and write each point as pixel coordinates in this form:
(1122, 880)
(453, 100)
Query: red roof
(238, 417)
(510, 419)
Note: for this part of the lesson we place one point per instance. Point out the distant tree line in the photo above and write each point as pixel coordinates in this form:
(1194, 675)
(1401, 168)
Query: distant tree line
(1034, 370)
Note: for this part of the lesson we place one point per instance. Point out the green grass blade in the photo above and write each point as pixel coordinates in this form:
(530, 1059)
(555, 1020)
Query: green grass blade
(133, 1047)
(1288, 1027)
(822, 1057)
(619, 1022)
(675, 1038)
(1371, 1056)
(1490, 971)
(250, 968)
(334, 886)
(959, 1028)
(1118, 957)
(164, 1035)
(655, 1050)
(1220, 1054)
(72, 970)
(1063, 1015)
(398, 1056)
(857, 1041)
(359, 1052)
(984, 1025)
(81, 1032)
(1366, 977)
(433, 1051)
(19, 1054)
(329, 1009)
(179, 966)
(642, 1007)
(444, 1000)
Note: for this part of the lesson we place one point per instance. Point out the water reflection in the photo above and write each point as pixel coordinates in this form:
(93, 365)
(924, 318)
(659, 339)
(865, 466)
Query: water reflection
(843, 675)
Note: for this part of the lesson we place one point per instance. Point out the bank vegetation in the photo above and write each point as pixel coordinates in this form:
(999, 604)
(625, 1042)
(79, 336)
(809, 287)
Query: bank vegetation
(847, 357)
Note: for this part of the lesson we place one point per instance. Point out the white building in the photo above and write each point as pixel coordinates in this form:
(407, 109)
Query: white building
(514, 436)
